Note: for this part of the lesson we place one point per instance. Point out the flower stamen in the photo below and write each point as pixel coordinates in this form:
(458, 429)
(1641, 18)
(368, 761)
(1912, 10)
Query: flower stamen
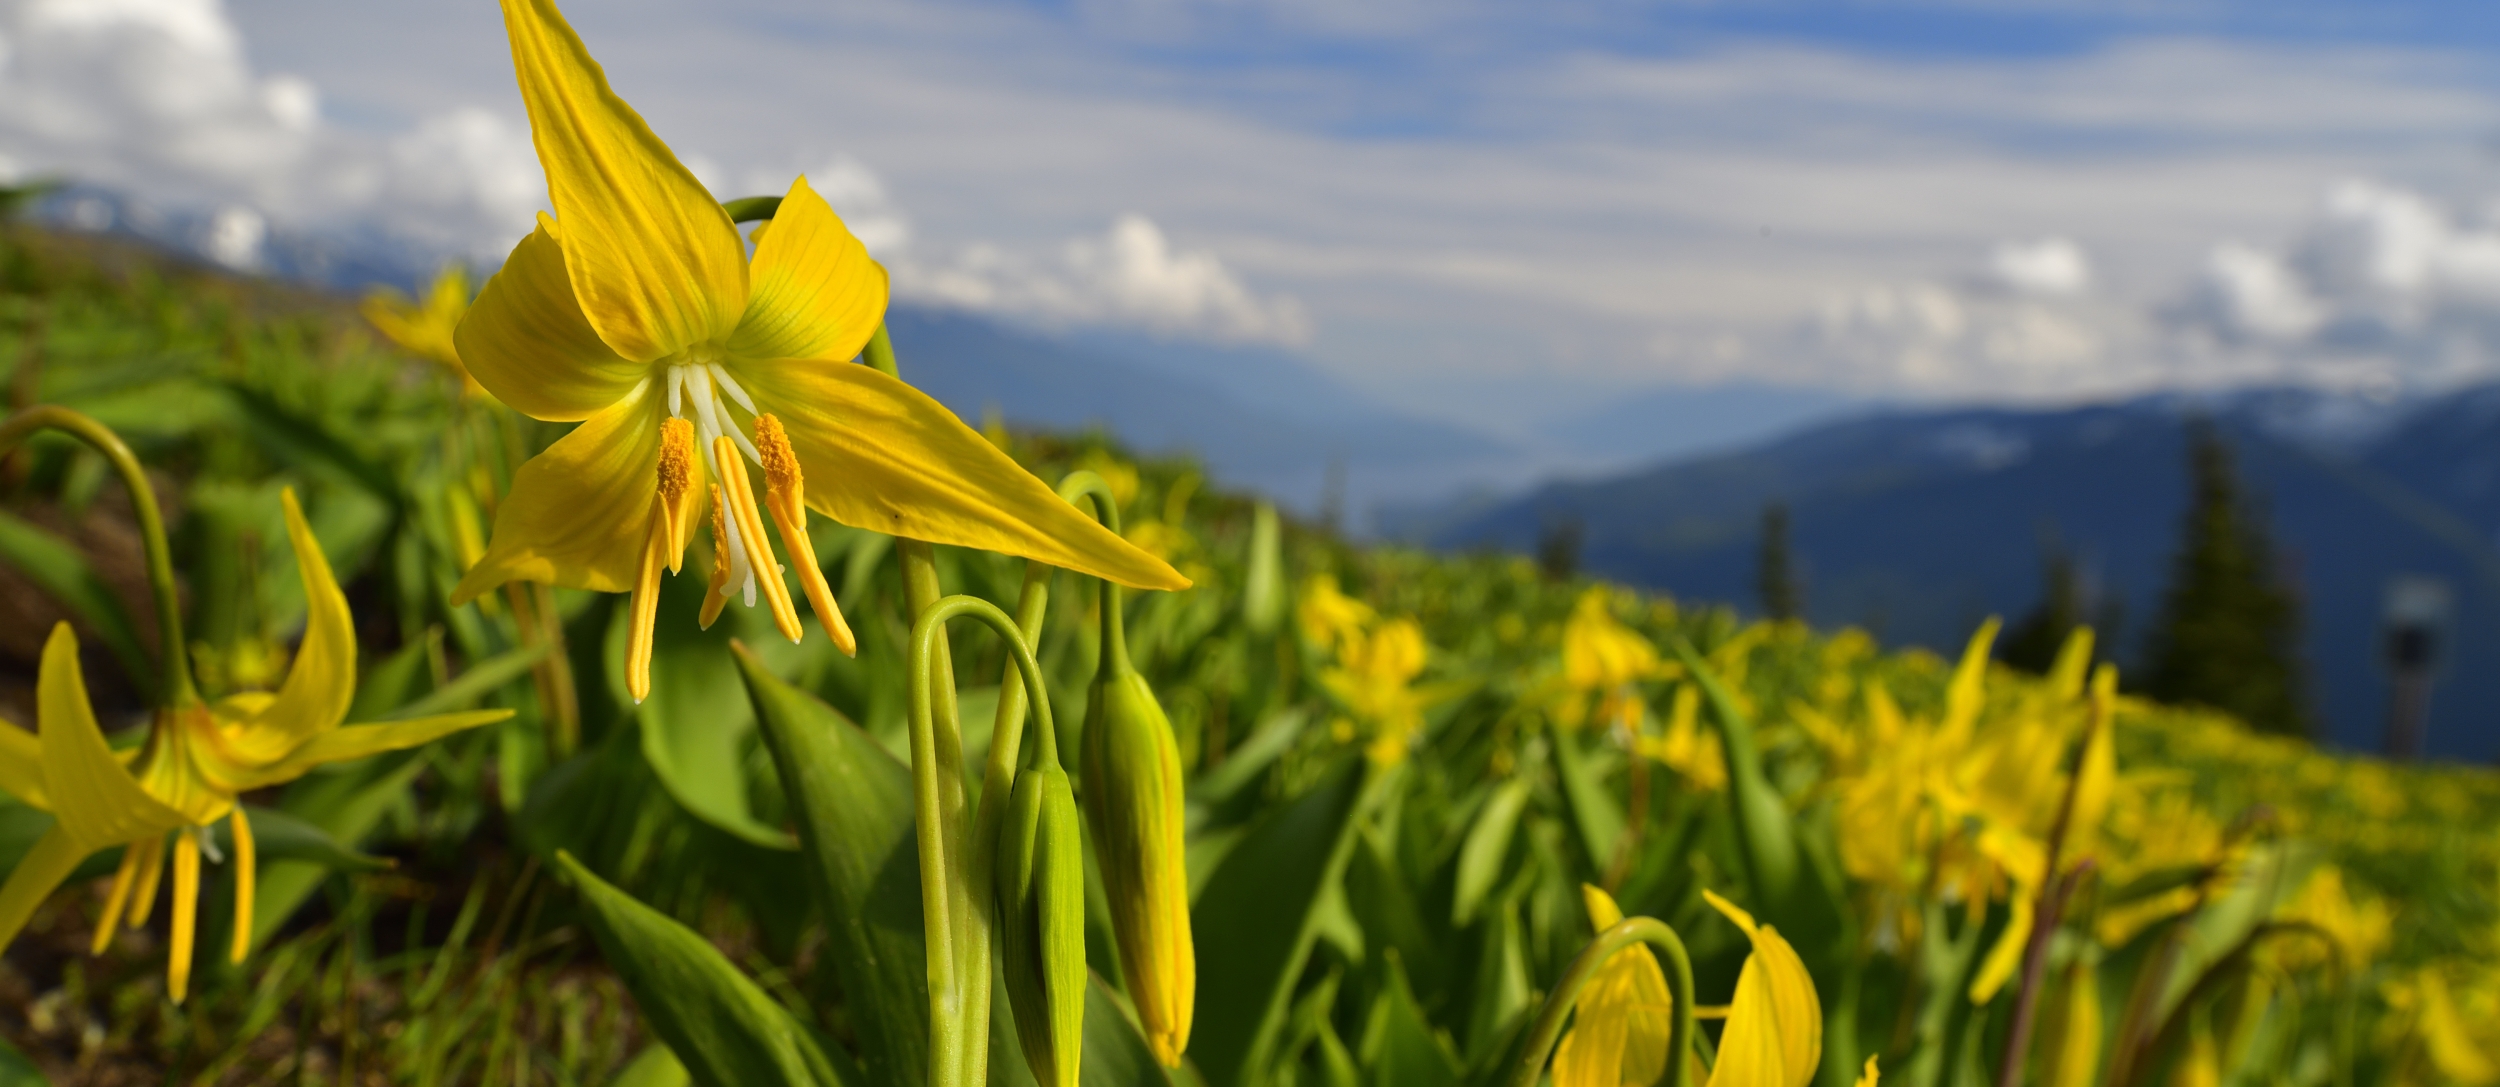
(785, 494)
(748, 529)
(246, 874)
(186, 914)
(717, 597)
(664, 544)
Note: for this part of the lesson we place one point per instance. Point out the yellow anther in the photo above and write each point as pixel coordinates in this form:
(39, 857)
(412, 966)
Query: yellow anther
(116, 901)
(772, 445)
(664, 546)
(739, 496)
(676, 457)
(151, 872)
(785, 495)
(246, 876)
(186, 913)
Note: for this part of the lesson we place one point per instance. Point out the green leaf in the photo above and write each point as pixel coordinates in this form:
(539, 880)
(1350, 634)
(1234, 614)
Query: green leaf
(344, 803)
(1399, 1044)
(697, 725)
(1116, 1055)
(482, 679)
(1488, 843)
(17, 1071)
(723, 1027)
(1594, 812)
(655, 1066)
(278, 836)
(853, 805)
(63, 574)
(1266, 900)
(295, 440)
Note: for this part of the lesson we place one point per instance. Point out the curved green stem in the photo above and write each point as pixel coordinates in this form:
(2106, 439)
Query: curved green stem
(1546, 1031)
(747, 209)
(1079, 485)
(880, 353)
(177, 690)
(954, 894)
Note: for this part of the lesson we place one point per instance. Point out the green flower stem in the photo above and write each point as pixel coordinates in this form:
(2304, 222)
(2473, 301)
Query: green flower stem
(880, 353)
(1546, 1031)
(955, 905)
(1083, 485)
(747, 209)
(177, 690)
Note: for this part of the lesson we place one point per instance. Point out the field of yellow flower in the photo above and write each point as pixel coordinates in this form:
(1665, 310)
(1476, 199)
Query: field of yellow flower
(1074, 769)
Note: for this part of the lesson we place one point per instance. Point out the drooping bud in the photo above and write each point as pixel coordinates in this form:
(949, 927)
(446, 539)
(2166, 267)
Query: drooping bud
(1263, 586)
(1039, 889)
(1133, 795)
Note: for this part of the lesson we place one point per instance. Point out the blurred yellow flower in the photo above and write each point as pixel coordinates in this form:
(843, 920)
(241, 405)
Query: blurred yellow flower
(1329, 618)
(1774, 1033)
(1624, 1018)
(424, 329)
(1687, 748)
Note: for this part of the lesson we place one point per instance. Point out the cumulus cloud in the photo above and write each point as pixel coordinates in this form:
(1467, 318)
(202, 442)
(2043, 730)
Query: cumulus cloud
(2051, 267)
(155, 106)
(1130, 275)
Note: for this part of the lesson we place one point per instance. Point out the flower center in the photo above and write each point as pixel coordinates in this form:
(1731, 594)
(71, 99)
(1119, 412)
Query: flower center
(697, 384)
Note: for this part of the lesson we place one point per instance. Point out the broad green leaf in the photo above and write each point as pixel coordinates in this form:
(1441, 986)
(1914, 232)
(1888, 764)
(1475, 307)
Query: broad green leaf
(723, 1027)
(1266, 901)
(1399, 1044)
(344, 803)
(1488, 843)
(17, 1071)
(278, 836)
(698, 725)
(295, 440)
(1595, 813)
(63, 574)
(853, 805)
(465, 690)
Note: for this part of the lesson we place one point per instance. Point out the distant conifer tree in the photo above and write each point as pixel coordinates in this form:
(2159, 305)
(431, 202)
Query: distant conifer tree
(2031, 644)
(2229, 626)
(1558, 548)
(1775, 575)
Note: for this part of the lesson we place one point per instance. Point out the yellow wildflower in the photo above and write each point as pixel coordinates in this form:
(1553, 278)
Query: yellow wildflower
(1774, 1034)
(1329, 617)
(1625, 1016)
(196, 764)
(424, 329)
(1375, 680)
(635, 311)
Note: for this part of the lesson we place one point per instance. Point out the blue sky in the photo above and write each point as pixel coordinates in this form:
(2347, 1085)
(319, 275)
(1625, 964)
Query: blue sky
(1498, 213)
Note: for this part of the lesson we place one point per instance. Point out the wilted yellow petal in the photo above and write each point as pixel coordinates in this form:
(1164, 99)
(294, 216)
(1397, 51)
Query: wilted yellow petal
(527, 341)
(885, 457)
(654, 260)
(814, 294)
(98, 801)
(579, 511)
(322, 680)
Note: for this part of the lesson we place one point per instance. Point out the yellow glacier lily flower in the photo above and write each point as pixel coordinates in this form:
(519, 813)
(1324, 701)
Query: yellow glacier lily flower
(635, 311)
(424, 329)
(197, 761)
(1774, 1034)
(1625, 1018)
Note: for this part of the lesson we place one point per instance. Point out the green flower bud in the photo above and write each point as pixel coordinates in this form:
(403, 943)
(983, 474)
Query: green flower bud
(1263, 585)
(1040, 893)
(1133, 798)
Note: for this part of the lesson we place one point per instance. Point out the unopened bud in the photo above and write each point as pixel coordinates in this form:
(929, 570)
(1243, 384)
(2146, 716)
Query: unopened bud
(1040, 894)
(1133, 793)
(1263, 586)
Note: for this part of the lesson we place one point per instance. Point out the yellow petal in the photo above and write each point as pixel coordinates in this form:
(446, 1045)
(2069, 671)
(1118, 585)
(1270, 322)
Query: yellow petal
(1603, 912)
(579, 512)
(322, 680)
(21, 766)
(527, 341)
(1869, 1076)
(814, 293)
(883, 456)
(98, 801)
(358, 741)
(1775, 1023)
(186, 906)
(654, 260)
(43, 868)
(1999, 966)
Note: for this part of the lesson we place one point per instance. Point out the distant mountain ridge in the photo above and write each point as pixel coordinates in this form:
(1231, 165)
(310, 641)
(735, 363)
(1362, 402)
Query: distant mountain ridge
(1918, 524)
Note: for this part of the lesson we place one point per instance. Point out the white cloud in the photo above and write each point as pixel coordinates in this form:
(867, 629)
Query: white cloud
(1129, 275)
(2051, 267)
(2249, 295)
(234, 238)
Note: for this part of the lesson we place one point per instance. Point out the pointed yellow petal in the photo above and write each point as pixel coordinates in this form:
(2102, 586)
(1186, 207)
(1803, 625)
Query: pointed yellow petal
(654, 259)
(98, 801)
(322, 680)
(814, 294)
(21, 766)
(1775, 1023)
(1603, 912)
(883, 456)
(43, 868)
(2007, 954)
(579, 513)
(150, 870)
(527, 341)
(1870, 1076)
(358, 741)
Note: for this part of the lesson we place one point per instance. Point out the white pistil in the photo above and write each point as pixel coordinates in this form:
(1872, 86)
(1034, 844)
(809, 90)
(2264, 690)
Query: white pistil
(208, 845)
(730, 386)
(712, 420)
